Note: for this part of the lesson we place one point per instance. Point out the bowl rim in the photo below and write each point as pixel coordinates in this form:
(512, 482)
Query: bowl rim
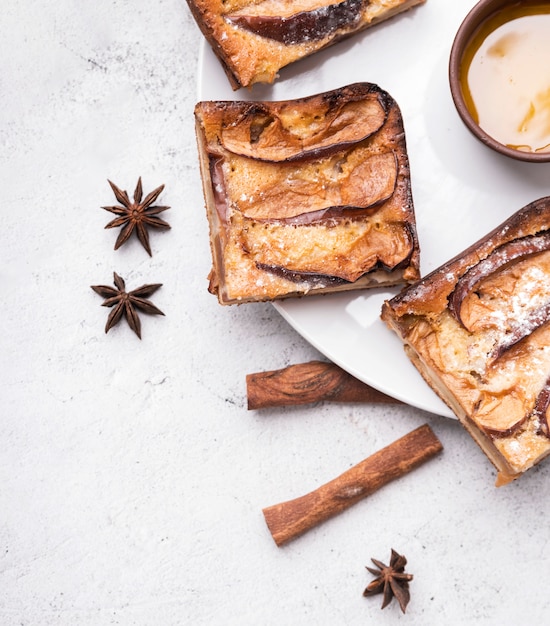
(479, 13)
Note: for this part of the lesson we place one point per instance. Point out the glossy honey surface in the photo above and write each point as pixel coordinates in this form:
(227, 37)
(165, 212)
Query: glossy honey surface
(505, 76)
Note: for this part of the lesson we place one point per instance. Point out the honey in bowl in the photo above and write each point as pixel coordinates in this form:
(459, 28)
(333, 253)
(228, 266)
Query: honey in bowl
(505, 76)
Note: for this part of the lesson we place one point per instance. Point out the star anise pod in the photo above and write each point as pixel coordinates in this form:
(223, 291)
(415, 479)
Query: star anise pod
(390, 580)
(127, 303)
(137, 215)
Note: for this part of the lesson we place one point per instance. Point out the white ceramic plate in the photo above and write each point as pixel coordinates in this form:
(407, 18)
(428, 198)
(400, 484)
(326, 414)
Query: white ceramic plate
(461, 189)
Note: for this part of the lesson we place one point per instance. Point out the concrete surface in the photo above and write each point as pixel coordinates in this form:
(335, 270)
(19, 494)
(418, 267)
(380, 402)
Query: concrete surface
(132, 476)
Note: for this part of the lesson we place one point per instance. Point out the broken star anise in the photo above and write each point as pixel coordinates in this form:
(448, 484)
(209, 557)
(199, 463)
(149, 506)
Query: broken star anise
(136, 216)
(390, 580)
(127, 303)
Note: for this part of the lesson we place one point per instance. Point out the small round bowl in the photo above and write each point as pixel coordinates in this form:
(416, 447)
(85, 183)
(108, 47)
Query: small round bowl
(481, 11)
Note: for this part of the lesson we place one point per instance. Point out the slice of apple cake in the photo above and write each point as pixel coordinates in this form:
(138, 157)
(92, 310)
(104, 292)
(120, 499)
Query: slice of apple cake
(478, 331)
(254, 39)
(307, 196)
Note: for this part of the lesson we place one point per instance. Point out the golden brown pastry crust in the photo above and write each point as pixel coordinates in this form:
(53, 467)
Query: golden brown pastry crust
(307, 196)
(254, 39)
(477, 330)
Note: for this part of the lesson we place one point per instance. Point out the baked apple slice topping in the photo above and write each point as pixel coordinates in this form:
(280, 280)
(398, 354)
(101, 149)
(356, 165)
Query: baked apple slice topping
(541, 407)
(345, 187)
(309, 262)
(503, 416)
(309, 278)
(501, 257)
(504, 404)
(525, 316)
(313, 22)
(296, 134)
(521, 329)
(325, 191)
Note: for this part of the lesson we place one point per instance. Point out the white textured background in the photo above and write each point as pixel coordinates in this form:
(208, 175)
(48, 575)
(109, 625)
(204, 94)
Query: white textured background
(132, 476)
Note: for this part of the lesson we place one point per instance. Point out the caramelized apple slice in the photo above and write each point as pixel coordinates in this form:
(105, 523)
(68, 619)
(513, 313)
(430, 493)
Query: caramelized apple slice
(309, 278)
(512, 415)
(321, 192)
(309, 249)
(500, 416)
(541, 407)
(521, 329)
(303, 26)
(295, 134)
(509, 397)
(499, 258)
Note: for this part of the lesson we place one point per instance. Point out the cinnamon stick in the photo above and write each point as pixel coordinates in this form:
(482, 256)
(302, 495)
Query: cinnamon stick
(306, 383)
(290, 519)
